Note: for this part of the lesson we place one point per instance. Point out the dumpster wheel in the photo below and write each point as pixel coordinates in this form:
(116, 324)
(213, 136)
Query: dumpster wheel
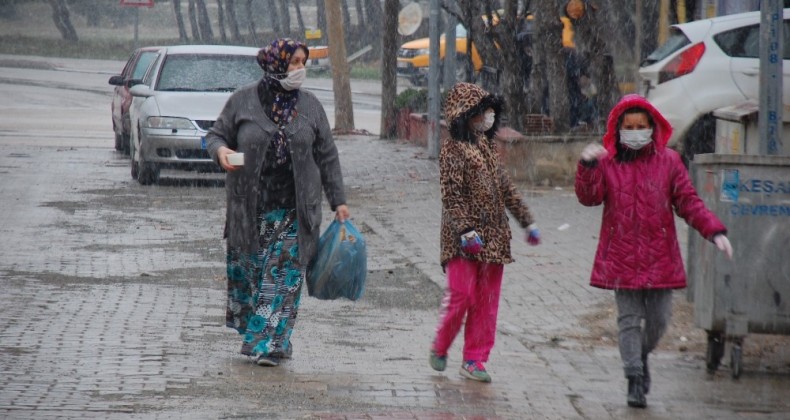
(736, 359)
(715, 351)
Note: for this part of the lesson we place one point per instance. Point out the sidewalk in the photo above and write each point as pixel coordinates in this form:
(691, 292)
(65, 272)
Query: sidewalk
(119, 313)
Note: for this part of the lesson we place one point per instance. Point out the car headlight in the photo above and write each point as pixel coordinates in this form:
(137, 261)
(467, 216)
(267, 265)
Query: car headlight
(170, 123)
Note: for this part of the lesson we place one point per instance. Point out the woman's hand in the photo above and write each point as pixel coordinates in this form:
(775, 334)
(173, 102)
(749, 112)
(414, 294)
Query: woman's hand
(222, 157)
(341, 213)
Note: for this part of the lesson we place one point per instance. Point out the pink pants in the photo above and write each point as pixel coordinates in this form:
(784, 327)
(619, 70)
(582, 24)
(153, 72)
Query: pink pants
(472, 291)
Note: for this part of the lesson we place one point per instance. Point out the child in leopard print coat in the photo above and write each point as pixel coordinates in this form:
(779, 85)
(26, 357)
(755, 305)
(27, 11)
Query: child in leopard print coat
(475, 234)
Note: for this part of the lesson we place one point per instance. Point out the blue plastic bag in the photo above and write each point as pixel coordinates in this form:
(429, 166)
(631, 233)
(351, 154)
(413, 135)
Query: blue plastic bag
(340, 264)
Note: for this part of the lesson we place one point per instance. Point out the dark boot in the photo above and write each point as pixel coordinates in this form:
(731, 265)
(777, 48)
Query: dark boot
(645, 375)
(636, 392)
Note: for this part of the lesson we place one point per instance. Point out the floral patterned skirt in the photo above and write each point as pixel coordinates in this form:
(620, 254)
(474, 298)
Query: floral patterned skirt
(264, 290)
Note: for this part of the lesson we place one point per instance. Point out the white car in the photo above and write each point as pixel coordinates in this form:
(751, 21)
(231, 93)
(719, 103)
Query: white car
(180, 97)
(705, 65)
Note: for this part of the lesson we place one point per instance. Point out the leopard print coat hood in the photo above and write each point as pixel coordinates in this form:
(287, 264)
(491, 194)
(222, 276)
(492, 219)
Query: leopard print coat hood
(464, 101)
(476, 190)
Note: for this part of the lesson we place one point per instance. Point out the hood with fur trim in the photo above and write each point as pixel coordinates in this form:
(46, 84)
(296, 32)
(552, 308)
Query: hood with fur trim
(662, 130)
(464, 101)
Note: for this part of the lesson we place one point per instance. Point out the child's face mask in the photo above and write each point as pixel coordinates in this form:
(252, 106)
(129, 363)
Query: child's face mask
(636, 139)
(487, 122)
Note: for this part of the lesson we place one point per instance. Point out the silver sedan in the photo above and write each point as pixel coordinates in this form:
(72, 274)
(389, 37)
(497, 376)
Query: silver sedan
(179, 99)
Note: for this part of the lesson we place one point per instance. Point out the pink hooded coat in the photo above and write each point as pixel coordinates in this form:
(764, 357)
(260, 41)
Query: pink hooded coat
(638, 246)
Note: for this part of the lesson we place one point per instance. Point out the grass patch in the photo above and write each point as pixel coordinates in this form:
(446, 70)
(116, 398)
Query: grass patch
(102, 49)
(366, 71)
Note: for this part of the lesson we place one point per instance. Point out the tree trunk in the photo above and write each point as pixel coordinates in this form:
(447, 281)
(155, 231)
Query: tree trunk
(233, 23)
(591, 32)
(182, 31)
(389, 62)
(299, 19)
(285, 12)
(274, 17)
(512, 71)
(548, 29)
(206, 34)
(346, 18)
(251, 23)
(60, 15)
(650, 19)
(465, 11)
(360, 14)
(193, 20)
(375, 21)
(341, 85)
(221, 21)
(320, 6)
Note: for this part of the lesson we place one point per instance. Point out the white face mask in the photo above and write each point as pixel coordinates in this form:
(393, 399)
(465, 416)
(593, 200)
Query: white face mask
(636, 139)
(294, 79)
(486, 123)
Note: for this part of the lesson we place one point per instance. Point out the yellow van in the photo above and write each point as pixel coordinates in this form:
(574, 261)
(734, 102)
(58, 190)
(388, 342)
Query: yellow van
(413, 57)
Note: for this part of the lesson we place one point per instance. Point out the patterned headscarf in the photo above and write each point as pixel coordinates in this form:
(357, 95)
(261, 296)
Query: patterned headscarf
(274, 60)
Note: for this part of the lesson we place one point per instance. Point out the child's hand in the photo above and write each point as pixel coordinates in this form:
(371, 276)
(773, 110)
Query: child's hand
(723, 244)
(592, 152)
(533, 235)
(471, 242)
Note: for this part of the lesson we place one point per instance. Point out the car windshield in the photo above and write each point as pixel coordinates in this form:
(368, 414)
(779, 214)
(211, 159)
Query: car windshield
(677, 40)
(207, 72)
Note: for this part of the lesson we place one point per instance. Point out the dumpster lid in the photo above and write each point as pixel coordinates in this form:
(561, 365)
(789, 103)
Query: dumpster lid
(745, 111)
(740, 112)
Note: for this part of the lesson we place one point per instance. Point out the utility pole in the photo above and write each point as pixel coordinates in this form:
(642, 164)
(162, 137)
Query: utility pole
(638, 45)
(434, 129)
(770, 116)
(449, 53)
(341, 85)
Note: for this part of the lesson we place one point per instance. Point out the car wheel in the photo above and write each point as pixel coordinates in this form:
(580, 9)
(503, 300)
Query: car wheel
(701, 138)
(134, 165)
(147, 173)
(118, 142)
(125, 147)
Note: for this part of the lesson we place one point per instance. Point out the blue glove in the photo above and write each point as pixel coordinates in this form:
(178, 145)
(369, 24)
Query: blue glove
(471, 242)
(533, 235)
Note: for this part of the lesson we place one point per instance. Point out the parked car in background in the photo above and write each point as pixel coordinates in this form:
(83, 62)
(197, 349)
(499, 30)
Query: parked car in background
(413, 58)
(705, 65)
(134, 70)
(180, 97)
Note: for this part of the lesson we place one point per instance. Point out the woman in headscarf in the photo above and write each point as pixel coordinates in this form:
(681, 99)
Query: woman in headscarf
(475, 233)
(642, 184)
(273, 210)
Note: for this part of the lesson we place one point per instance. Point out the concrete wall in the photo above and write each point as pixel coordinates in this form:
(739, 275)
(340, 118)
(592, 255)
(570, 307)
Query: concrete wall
(545, 160)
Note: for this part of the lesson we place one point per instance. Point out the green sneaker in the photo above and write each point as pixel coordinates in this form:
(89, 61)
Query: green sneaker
(475, 371)
(437, 362)
(267, 361)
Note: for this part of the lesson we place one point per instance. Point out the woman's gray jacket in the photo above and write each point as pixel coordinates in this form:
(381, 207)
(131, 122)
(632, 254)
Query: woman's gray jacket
(244, 127)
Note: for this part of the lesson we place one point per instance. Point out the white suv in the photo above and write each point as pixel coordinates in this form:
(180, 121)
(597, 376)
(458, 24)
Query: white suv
(705, 65)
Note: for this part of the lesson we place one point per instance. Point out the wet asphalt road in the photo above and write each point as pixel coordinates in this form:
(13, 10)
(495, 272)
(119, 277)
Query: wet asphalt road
(112, 302)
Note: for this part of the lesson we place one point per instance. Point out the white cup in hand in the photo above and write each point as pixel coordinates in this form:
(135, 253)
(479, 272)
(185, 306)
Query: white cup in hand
(236, 159)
